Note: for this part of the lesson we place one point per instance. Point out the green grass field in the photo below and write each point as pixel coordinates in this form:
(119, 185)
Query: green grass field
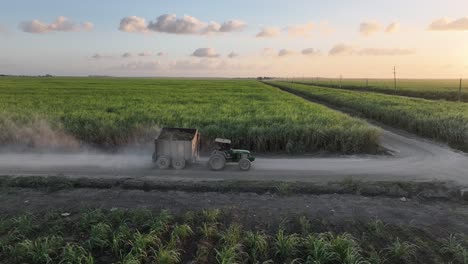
(110, 112)
(210, 236)
(440, 120)
(430, 89)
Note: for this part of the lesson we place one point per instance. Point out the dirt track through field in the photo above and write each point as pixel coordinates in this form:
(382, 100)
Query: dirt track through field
(414, 159)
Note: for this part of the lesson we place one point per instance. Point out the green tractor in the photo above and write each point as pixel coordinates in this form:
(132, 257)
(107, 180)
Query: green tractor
(225, 154)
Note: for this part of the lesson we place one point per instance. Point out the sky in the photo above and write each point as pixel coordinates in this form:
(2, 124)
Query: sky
(208, 38)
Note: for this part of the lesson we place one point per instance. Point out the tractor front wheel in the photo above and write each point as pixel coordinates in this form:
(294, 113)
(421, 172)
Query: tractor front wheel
(217, 162)
(244, 164)
(163, 162)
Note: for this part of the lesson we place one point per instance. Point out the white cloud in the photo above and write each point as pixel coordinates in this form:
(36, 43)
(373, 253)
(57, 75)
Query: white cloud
(309, 51)
(393, 27)
(300, 30)
(205, 53)
(385, 52)
(97, 56)
(34, 26)
(126, 55)
(369, 28)
(445, 24)
(171, 24)
(4, 30)
(133, 24)
(233, 25)
(341, 49)
(139, 66)
(145, 54)
(233, 55)
(268, 52)
(197, 65)
(62, 23)
(212, 27)
(286, 52)
(87, 26)
(269, 32)
(100, 56)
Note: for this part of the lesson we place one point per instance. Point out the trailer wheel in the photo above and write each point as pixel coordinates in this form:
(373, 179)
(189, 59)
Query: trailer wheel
(217, 162)
(244, 164)
(163, 162)
(178, 164)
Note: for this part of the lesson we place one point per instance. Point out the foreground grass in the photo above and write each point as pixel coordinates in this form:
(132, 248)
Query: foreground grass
(443, 121)
(210, 236)
(109, 112)
(429, 89)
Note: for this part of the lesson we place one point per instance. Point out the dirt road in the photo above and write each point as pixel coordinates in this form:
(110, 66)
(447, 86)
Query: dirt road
(413, 159)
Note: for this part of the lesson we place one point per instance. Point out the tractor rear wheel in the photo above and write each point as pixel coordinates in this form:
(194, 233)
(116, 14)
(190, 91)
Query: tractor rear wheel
(244, 164)
(217, 162)
(163, 162)
(178, 164)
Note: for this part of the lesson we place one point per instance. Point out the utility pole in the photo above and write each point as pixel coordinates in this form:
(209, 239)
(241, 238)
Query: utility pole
(394, 77)
(460, 90)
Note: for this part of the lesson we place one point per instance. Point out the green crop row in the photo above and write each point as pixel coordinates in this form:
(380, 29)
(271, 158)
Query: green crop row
(209, 236)
(109, 112)
(428, 89)
(440, 120)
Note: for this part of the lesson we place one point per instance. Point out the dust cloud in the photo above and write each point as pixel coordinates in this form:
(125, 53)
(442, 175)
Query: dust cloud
(41, 145)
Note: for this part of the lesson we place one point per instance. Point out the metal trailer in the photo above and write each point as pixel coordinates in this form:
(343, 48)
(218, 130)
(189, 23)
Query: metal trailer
(176, 147)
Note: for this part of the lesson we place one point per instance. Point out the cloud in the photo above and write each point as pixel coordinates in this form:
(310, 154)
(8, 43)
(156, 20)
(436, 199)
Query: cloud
(445, 24)
(309, 51)
(268, 52)
(286, 52)
(205, 53)
(269, 32)
(87, 26)
(385, 52)
(369, 28)
(233, 55)
(393, 28)
(126, 55)
(133, 24)
(341, 49)
(97, 56)
(139, 66)
(4, 31)
(145, 54)
(171, 24)
(62, 24)
(211, 28)
(233, 25)
(300, 30)
(190, 65)
(34, 26)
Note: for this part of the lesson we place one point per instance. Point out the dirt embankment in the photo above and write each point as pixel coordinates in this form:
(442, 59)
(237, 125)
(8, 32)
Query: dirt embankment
(252, 209)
